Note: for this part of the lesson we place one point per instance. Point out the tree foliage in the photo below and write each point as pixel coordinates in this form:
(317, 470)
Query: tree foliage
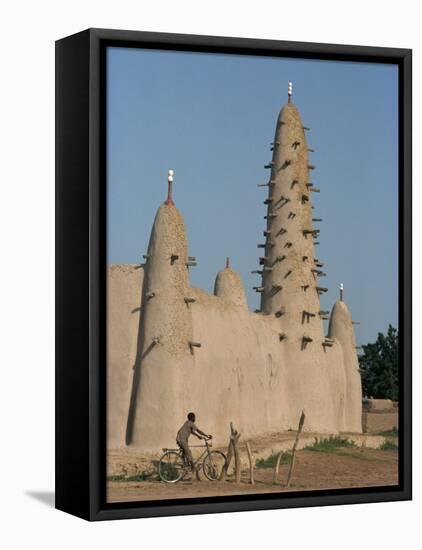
(379, 366)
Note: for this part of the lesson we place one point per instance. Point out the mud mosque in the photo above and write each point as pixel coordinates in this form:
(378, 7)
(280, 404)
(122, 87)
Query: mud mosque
(172, 348)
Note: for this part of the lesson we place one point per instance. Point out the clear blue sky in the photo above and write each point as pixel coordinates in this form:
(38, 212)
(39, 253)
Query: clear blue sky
(211, 118)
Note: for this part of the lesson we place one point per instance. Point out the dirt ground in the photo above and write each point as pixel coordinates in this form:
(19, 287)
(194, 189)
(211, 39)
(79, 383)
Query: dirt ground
(342, 468)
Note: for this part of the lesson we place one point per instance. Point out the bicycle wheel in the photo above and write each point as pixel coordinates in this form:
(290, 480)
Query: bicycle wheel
(212, 465)
(171, 467)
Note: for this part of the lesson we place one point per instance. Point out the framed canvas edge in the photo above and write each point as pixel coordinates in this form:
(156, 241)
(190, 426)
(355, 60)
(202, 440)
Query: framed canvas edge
(98, 509)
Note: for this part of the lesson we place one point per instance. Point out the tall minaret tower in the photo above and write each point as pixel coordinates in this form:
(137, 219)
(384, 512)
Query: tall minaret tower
(290, 286)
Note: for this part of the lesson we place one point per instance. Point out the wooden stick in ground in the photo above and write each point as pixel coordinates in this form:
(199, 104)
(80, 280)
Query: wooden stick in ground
(277, 466)
(251, 473)
(227, 462)
(229, 455)
(236, 456)
(301, 422)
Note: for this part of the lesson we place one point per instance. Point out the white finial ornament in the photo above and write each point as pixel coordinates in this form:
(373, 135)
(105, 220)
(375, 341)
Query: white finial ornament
(290, 90)
(170, 190)
(341, 291)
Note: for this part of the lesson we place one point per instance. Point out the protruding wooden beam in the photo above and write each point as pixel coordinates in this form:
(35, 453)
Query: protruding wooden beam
(257, 272)
(315, 190)
(288, 273)
(327, 344)
(191, 263)
(311, 167)
(294, 182)
(147, 256)
(305, 287)
(305, 198)
(321, 289)
(317, 219)
(267, 232)
(282, 336)
(271, 215)
(311, 150)
(156, 340)
(263, 259)
(306, 128)
(259, 288)
(150, 295)
(195, 345)
(279, 313)
(283, 200)
(306, 316)
(318, 272)
(295, 145)
(269, 200)
(281, 231)
(305, 341)
(269, 165)
(288, 244)
(308, 313)
(279, 259)
(190, 300)
(173, 258)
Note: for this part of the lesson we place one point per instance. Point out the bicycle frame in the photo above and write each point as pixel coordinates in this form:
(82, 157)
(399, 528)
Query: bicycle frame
(203, 454)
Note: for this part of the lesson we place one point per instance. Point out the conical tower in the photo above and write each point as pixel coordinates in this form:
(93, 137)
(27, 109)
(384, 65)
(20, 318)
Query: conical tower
(341, 330)
(290, 286)
(166, 333)
(228, 286)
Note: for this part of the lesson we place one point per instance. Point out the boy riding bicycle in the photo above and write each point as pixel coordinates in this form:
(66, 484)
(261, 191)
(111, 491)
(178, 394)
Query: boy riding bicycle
(188, 428)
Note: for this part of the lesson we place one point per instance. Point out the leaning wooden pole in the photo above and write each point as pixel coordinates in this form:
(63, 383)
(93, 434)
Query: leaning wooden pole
(277, 466)
(227, 462)
(250, 458)
(292, 463)
(235, 435)
(232, 451)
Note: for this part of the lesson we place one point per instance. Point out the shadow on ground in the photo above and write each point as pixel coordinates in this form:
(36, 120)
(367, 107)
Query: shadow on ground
(45, 497)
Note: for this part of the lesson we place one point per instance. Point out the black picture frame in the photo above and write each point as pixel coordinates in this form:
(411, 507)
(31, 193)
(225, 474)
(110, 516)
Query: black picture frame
(81, 260)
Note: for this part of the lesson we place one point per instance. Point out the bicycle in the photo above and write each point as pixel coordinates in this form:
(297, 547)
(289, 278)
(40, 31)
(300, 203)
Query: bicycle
(173, 465)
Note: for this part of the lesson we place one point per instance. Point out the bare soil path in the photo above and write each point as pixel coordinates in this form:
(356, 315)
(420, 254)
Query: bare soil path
(342, 468)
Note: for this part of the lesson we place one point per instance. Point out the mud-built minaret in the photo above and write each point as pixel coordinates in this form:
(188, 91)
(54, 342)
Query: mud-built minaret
(166, 324)
(341, 330)
(228, 286)
(290, 286)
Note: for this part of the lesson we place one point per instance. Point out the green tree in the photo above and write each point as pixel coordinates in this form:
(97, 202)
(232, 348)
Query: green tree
(379, 366)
